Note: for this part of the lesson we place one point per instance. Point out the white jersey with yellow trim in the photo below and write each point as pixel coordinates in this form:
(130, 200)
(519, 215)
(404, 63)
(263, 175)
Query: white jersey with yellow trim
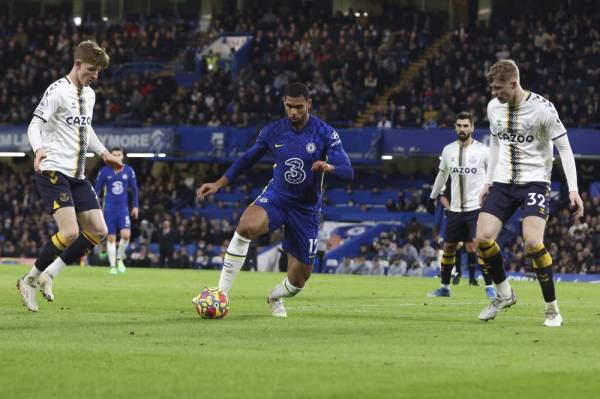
(467, 169)
(67, 112)
(525, 132)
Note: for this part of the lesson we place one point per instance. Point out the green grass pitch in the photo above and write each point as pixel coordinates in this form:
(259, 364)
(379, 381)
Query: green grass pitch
(137, 335)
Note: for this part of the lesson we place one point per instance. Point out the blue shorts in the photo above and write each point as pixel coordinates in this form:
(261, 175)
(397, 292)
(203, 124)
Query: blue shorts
(504, 199)
(60, 191)
(117, 219)
(301, 227)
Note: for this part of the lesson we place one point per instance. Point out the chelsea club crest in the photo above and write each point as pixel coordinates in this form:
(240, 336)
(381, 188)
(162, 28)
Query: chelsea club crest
(311, 147)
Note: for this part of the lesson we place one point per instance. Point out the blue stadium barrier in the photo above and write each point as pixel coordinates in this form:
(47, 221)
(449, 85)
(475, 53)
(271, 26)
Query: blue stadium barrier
(595, 189)
(351, 247)
(225, 144)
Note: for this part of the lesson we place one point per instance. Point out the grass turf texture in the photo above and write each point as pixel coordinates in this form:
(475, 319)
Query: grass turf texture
(138, 335)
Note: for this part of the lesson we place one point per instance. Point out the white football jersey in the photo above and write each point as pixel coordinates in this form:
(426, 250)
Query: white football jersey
(525, 132)
(67, 111)
(467, 168)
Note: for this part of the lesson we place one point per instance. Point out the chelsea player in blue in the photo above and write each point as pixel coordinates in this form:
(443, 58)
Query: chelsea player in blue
(116, 209)
(305, 148)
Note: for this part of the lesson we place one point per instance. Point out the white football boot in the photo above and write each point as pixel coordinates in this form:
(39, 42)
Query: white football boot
(45, 284)
(553, 317)
(277, 309)
(496, 305)
(26, 288)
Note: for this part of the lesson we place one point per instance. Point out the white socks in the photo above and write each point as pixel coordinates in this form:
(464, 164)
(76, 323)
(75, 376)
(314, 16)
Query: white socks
(56, 267)
(284, 290)
(235, 255)
(33, 274)
(503, 289)
(122, 248)
(553, 304)
(111, 248)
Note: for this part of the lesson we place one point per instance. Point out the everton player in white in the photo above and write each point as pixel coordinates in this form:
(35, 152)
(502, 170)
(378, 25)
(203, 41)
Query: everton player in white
(524, 127)
(305, 148)
(465, 161)
(60, 133)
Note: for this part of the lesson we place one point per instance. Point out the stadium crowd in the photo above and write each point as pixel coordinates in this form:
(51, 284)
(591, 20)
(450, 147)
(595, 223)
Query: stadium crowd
(345, 59)
(164, 236)
(558, 54)
(35, 52)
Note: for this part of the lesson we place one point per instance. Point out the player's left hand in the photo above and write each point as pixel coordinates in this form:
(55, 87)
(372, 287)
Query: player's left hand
(134, 213)
(112, 161)
(322, 166)
(575, 204)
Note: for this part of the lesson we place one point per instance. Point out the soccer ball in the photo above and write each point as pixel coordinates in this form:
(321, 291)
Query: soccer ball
(211, 303)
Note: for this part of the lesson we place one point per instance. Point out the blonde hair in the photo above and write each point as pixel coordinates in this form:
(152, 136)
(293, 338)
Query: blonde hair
(502, 71)
(89, 52)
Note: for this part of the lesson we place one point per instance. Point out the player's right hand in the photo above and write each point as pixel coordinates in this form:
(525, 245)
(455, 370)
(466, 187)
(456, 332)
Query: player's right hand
(207, 189)
(575, 204)
(39, 155)
(431, 205)
(484, 193)
(112, 161)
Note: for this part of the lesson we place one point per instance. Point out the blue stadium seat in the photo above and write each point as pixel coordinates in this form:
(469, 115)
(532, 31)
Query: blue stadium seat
(229, 198)
(338, 196)
(595, 189)
(191, 249)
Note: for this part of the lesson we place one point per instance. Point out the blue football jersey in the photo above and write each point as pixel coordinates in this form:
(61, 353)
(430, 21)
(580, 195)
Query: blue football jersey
(295, 152)
(117, 185)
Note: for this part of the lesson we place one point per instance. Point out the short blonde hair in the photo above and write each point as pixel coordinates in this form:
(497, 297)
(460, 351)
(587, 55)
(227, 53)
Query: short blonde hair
(89, 52)
(502, 71)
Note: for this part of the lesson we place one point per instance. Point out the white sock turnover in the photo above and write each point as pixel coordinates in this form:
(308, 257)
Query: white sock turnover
(234, 258)
(111, 248)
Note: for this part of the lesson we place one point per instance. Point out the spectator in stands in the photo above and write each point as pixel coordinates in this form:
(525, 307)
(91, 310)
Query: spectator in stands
(398, 267)
(346, 267)
(427, 253)
(166, 243)
(377, 268)
(361, 265)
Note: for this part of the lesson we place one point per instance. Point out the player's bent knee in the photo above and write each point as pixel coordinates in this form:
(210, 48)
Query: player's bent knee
(248, 231)
(99, 233)
(532, 243)
(70, 234)
(298, 281)
(482, 237)
(102, 233)
(125, 235)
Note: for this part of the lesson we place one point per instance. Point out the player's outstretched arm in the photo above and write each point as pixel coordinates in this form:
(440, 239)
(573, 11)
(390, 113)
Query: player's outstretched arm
(241, 165)
(211, 188)
(568, 163)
